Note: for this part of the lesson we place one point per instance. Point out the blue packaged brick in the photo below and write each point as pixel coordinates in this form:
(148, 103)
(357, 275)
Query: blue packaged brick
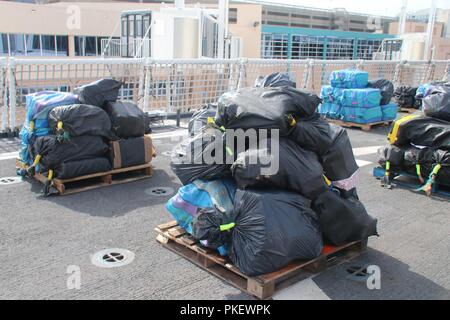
(350, 79)
(330, 110)
(331, 95)
(362, 115)
(389, 111)
(361, 98)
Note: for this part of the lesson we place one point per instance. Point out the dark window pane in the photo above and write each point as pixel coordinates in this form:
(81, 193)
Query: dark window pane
(91, 46)
(62, 45)
(48, 45)
(3, 44)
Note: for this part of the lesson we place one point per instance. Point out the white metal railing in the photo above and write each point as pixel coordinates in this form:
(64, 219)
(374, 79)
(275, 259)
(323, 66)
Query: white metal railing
(3, 95)
(137, 48)
(171, 85)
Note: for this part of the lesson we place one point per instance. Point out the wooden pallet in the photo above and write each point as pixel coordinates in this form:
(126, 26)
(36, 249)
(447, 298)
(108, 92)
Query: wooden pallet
(364, 127)
(97, 180)
(411, 182)
(175, 238)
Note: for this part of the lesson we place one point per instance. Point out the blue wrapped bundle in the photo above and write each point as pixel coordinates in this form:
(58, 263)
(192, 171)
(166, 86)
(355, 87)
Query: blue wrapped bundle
(330, 110)
(362, 115)
(329, 94)
(349, 79)
(389, 111)
(361, 98)
(186, 205)
(36, 124)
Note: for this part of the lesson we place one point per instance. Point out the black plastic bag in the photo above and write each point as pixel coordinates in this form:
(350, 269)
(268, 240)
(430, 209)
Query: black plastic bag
(127, 120)
(54, 153)
(339, 162)
(80, 120)
(315, 134)
(386, 88)
(207, 227)
(189, 163)
(100, 92)
(429, 158)
(79, 168)
(343, 220)
(278, 79)
(392, 154)
(437, 104)
(200, 118)
(273, 228)
(265, 108)
(420, 131)
(404, 96)
(299, 169)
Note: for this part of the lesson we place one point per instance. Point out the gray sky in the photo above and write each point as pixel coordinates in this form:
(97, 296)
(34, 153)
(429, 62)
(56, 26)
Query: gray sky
(377, 7)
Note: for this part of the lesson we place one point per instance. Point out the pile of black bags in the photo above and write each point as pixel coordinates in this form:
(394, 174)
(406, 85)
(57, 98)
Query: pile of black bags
(405, 97)
(282, 214)
(419, 144)
(95, 135)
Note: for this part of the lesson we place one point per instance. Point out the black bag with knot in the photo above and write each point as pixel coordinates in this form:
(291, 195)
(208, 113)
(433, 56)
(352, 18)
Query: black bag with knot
(79, 120)
(298, 169)
(202, 157)
(343, 220)
(386, 89)
(278, 79)
(127, 120)
(212, 226)
(272, 229)
(265, 108)
(100, 92)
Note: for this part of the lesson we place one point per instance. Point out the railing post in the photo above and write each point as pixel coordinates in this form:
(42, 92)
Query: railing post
(3, 98)
(242, 73)
(147, 80)
(447, 72)
(12, 95)
(397, 73)
(360, 65)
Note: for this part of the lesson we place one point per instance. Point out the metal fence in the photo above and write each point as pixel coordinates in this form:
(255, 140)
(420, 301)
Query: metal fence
(171, 85)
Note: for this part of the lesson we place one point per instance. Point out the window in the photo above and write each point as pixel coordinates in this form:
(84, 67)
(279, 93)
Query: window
(274, 46)
(232, 16)
(48, 45)
(279, 14)
(321, 18)
(3, 44)
(366, 48)
(62, 46)
(17, 45)
(302, 16)
(307, 47)
(339, 49)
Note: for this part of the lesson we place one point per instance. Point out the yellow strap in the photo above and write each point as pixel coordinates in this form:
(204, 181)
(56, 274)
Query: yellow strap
(60, 125)
(418, 170)
(436, 169)
(327, 180)
(32, 126)
(211, 121)
(50, 174)
(36, 160)
(392, 136)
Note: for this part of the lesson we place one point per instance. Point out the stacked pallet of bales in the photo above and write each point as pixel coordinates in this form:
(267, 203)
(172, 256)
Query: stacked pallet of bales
(68, 135)
(419, 144)
(279, 197)
(352, 98)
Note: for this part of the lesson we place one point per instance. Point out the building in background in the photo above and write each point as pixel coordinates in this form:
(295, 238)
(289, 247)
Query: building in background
(416, 27)
(260, 29)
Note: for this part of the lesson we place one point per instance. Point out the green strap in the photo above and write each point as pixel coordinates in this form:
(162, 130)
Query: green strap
(227, 227)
